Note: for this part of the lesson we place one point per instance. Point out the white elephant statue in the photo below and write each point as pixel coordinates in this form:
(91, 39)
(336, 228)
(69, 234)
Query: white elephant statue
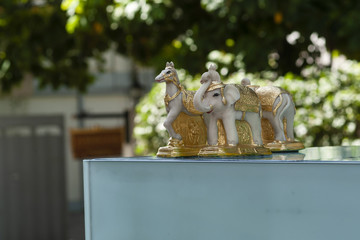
(227, 102)
(277, 106)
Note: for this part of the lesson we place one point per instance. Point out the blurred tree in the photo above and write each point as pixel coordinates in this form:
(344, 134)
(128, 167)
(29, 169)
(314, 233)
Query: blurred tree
(54, 38)
(34, 39)
(264, 34)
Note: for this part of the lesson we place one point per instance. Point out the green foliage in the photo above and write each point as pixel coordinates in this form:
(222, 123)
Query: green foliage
(34, 39)
(151, 114)
(327, 103)
(54, 40)
(254, 31)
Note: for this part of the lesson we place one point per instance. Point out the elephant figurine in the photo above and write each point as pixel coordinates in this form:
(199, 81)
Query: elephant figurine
(227, 102)
(278, 107)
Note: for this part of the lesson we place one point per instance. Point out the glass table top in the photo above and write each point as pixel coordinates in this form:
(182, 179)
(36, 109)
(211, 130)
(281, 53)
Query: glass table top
(331, 154)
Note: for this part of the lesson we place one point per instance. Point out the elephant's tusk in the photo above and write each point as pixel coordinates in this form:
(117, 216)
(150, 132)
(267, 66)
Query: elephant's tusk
(211, 109)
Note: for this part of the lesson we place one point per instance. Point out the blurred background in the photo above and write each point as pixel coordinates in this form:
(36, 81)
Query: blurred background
(76, 82)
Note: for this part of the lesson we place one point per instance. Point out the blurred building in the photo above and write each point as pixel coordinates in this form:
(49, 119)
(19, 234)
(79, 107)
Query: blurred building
(114, 93)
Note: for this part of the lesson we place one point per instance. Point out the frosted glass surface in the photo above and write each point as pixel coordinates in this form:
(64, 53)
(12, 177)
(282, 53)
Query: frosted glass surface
(188, 199)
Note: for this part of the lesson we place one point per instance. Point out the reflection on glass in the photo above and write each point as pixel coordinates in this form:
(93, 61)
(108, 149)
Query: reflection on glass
(289, 156)
(344, 153)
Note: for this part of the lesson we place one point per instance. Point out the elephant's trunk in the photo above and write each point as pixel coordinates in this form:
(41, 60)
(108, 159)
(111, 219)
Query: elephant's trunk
(198, 98)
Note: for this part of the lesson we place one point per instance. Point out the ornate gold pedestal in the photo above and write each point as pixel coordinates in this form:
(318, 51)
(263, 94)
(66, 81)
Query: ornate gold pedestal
(212, 151)
(176, 148)
(277, 146)
(228, 151)
(193, 131)
(284, 146)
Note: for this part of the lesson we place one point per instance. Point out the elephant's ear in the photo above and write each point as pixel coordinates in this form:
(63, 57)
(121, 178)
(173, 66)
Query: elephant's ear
(231, 94)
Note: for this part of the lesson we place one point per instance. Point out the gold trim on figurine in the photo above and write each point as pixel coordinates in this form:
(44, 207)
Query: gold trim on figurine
(197, 126)
(167, 98)
(188, 101)
(268, 95)
(214, 86)
(194, 143)
(275, 145)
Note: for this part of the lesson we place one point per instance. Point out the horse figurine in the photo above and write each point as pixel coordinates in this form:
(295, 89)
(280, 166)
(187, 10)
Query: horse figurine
(177, 99)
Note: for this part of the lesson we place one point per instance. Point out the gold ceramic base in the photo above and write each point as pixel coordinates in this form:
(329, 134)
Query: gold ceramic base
(229, 151)
(278, 146)
(179, 150)
(169, 151)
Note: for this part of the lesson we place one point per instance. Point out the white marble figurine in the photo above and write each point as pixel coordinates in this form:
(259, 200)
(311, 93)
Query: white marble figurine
(217, 101)
(175, 99)
(277, 106)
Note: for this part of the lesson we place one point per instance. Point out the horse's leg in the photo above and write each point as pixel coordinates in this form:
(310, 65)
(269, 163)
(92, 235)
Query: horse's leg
(278, 120)
(172, 115)
(290, 113)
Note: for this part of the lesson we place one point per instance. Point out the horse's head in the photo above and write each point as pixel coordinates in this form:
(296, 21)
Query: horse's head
(169, 74)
